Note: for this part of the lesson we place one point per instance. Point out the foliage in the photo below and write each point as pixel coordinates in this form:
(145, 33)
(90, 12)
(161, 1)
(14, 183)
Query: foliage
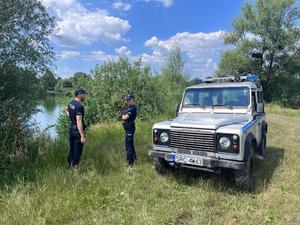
(80, 79)
(49, 80)
(173, 71)
(233, 62)
(109, 83)
(63, 125)
(270, 29)
(18, 91)
(25, 28)
(25, 53)
(172, 80)
(112, 81)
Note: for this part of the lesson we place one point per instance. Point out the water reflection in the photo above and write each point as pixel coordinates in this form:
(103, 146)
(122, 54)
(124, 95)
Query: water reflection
(49, 104)
(48, 111)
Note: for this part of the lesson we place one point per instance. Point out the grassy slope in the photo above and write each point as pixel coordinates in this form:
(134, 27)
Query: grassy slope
(103, 191)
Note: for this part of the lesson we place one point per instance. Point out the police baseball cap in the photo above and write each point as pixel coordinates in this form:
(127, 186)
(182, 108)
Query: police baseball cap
(79, 91)
(129, 97)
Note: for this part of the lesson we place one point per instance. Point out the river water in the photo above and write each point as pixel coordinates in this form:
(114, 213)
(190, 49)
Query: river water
(48, 111)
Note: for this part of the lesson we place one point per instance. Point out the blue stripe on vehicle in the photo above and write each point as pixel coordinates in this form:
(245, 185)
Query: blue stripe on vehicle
(246, 126)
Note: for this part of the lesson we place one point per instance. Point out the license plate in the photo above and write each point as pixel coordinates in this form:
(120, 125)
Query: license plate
(185, 159)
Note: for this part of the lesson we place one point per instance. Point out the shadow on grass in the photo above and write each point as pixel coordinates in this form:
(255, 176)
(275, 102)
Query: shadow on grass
(225, 180)
(266, 168)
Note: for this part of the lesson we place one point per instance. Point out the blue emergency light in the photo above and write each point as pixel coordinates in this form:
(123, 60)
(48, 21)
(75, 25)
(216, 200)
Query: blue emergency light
(252, 77)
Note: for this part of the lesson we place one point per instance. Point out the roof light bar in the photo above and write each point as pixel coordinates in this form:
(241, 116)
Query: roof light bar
(238, 78)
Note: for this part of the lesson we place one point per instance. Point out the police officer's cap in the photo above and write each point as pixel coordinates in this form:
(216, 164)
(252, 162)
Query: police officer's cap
(79, 91)
(129, 97)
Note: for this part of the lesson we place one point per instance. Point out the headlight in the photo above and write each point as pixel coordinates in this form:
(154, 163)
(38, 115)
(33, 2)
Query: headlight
(164, 137)
(224, 142)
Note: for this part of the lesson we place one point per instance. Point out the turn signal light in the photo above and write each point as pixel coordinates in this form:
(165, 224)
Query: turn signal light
(235, 147)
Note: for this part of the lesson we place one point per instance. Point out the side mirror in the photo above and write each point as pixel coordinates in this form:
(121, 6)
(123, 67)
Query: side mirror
(260, 107)
(177, 109)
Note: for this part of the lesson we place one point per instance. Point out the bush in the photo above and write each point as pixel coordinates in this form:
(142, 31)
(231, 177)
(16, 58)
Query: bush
(155, 94)
(18, 92)
(112, 81)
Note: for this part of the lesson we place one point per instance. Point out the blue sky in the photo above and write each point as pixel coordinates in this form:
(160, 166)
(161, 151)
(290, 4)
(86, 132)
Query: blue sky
(89, 32)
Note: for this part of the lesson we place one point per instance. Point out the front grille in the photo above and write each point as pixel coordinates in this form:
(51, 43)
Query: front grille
(192, 140)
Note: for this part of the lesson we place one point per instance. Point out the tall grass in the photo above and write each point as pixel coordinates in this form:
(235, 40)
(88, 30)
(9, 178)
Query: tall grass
(104, 191)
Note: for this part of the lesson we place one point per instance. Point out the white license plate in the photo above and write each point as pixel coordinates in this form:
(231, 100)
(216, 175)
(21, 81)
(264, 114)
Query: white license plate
(188, 160)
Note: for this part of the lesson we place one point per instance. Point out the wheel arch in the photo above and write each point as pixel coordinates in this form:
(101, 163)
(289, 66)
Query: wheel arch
(249, 142)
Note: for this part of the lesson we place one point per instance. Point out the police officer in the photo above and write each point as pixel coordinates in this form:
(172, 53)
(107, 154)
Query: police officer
(77, 139)
(128, 118)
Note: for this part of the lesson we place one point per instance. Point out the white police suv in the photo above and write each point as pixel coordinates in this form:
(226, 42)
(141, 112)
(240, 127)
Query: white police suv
(220, 124)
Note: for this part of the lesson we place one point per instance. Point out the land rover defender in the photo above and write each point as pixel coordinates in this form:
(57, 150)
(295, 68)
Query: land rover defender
(220, 124)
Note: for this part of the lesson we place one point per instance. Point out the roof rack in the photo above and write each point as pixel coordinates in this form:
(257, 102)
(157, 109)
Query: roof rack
(237, 78)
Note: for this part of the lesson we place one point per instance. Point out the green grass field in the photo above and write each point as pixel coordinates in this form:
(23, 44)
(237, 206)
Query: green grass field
(103, 191)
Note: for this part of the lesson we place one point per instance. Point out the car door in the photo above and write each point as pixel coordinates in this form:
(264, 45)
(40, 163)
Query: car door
(255, 126)
(259, 98)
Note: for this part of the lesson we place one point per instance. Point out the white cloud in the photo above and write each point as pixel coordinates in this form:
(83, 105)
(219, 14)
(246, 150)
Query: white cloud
(79, 26)
(98, 56)
(103, 56)
(123, 52)
(202, 50)
(165, 3)
(121, 6)
(67, 70)
(64, 72)
(68, 54)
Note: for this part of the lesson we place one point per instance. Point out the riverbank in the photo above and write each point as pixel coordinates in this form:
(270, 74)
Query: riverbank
(60, 93)
(103, 191)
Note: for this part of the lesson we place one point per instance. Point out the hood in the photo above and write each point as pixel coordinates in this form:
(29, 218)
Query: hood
(207, 120)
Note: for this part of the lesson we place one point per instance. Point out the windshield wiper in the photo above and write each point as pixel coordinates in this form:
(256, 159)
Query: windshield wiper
(222, 105)
(194, 104)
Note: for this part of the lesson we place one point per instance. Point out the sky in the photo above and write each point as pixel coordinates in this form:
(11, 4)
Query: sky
(90, 32)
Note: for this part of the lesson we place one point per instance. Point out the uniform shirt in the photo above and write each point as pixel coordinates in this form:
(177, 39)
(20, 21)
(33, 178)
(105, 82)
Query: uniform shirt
(76, 108)
(132, 112)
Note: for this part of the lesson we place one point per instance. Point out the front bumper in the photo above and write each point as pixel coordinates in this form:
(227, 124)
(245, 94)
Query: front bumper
(208, 162)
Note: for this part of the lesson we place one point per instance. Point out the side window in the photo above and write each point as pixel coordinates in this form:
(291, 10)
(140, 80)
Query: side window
(260, 97)
(254, 102)
(188, 98)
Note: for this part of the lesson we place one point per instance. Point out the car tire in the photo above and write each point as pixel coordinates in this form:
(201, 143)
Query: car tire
(161, 166)
(245, 178)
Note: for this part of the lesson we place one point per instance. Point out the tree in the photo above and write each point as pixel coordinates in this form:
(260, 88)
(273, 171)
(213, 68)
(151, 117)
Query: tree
(49, 81)
(173, 70)
(172, 80)
(80, 79)
(25, 53)
(267, 27)
(232, 63)
(25, 28)
(113, 80)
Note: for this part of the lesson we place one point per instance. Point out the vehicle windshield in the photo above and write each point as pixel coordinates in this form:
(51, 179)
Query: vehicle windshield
(227, 97)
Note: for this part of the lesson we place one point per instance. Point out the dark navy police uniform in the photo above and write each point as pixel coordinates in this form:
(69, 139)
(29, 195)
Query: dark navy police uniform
(129, 127)
(75, 108)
